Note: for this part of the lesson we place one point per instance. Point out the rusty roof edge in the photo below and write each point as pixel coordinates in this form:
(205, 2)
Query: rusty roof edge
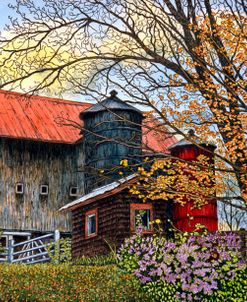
(41, 140)
(97, 193)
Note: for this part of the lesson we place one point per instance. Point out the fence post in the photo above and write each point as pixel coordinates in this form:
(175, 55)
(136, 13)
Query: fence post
(10, 250)
(57, 246)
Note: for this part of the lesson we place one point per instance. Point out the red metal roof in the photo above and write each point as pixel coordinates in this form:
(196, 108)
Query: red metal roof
(155, 137)
(48, 119)
(39, 118)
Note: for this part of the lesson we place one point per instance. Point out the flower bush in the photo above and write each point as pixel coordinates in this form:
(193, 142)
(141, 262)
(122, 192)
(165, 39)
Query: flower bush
(193, 267)
(232, 290)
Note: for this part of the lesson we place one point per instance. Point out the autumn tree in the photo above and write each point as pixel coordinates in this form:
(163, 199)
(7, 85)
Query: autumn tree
(231, 218)
(183, 60)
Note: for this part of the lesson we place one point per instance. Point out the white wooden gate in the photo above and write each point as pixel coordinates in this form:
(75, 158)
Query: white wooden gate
(31, 251)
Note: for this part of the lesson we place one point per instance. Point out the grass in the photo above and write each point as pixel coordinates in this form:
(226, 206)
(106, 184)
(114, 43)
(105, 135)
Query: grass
(65, 282)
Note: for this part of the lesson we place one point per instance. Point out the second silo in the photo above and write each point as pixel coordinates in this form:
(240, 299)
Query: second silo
(112, 133)
(187, 216)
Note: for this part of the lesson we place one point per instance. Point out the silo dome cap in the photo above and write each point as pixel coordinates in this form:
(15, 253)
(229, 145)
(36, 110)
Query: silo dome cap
(110, 103)
(196, 140)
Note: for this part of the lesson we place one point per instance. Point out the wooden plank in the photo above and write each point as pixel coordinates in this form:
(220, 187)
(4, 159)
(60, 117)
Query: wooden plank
(10, 250)
(40, 249)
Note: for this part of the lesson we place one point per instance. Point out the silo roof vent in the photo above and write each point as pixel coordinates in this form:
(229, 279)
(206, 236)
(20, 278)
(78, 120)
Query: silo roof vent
(110, 103)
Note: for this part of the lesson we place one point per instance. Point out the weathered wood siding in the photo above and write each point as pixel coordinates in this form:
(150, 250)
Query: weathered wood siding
(113, 223)
(36, 163)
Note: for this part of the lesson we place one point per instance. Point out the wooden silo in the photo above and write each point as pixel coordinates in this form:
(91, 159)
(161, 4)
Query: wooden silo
(207, 214)
(112, 132)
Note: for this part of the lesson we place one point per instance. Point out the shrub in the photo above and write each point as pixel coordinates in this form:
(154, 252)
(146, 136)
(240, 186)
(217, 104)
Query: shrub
(232, 290)
(188, 268)
(100, 260)
(60, 251)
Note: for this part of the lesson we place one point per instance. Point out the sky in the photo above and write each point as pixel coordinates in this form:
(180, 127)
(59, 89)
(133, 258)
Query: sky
(5, 12)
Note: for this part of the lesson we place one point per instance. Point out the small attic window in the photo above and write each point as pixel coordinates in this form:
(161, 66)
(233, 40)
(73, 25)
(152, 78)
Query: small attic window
(73, 191)
(19, 188)
(44, 190)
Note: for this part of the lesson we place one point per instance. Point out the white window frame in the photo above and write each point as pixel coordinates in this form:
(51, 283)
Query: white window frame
(44, 193)
(73, 194)
(17, 191)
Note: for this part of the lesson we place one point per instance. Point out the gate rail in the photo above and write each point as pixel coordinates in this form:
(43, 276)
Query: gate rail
(31, 251)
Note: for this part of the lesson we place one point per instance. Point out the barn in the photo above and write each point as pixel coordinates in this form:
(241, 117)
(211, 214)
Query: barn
(108, 213)
(44, 156)
(53, 153)
(39, 163)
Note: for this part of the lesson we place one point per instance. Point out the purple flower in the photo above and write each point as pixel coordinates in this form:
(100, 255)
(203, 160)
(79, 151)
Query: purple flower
(137, 274)
(189, 265)
(207, 289)
(170, 278)
(145, 279)
(183, 295)
(159, 271)
(194, 288)
(201, 272)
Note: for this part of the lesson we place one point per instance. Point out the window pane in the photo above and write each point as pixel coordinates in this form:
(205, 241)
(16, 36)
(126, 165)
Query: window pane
(142, 217)
(91, 224)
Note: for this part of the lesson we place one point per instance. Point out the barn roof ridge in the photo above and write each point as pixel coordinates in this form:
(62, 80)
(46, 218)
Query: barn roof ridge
(34, 97)
(99, 193)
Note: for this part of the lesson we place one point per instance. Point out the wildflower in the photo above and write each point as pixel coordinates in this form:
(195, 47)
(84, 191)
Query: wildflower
(145, 279)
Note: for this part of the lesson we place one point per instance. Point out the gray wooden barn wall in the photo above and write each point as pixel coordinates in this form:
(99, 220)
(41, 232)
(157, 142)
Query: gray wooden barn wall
(36, 163)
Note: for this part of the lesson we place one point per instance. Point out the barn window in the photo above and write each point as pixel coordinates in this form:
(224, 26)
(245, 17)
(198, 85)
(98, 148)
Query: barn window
(19, 188)
(91, 223)
(141, 215)
(44, 190)
(73, 191)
